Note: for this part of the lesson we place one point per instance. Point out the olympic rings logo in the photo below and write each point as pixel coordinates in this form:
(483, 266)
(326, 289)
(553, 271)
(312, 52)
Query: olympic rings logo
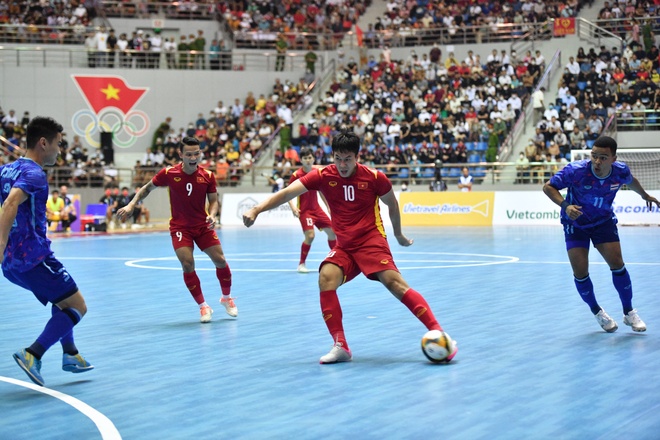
(125, 129)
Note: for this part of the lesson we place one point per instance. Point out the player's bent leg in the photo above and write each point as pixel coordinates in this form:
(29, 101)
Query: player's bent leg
(223, 273)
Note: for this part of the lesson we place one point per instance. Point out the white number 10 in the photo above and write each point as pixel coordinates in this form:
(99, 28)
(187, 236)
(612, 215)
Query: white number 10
(349, 193)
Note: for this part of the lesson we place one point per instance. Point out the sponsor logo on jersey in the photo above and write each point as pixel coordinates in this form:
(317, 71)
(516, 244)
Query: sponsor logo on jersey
(614, 186)
(177, 179)
(332, 183)
(384, 261)
(362, 185)
(587, 186)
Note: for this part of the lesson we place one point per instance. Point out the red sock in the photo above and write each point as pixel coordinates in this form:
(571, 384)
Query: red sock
(304, 250)
(192, 282)
(420, 308)
(332, 244)
(224, 275)
(332, 316)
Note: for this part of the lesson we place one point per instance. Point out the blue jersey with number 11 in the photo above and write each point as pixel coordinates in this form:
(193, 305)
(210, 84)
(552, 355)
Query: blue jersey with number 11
(594, 194)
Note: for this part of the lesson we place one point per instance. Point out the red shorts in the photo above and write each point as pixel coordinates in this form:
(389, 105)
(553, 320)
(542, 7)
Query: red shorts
(316, 218)
(202, 236)
(372, 257)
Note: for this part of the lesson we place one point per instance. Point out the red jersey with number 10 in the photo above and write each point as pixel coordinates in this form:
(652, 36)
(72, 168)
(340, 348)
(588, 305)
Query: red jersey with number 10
(187, 194)
(353, 202)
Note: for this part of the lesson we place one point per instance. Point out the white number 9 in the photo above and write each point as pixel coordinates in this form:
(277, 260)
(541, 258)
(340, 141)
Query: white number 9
(179, 235)
(189, 188)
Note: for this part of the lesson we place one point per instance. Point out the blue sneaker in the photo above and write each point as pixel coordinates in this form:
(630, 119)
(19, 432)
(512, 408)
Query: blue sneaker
(75, 363)
(31, 365)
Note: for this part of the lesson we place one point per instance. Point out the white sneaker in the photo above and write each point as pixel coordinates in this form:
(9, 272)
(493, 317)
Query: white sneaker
(337, 354)
(632, 319)
(302, 268)
(608, 324)
(205, 313)
(230, 306)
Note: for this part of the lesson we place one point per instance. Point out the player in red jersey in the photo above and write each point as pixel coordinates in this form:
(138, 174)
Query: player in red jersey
(352, 192)
(189, 187)
(309, 212)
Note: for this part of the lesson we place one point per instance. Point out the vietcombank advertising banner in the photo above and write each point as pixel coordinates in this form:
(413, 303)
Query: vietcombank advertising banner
(446, 208)
(535, 208)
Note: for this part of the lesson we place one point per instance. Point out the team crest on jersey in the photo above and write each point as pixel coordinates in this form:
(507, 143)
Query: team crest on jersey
(362, 185)
(200, 179)
(332, 183)
(614, 186)
(177, 179)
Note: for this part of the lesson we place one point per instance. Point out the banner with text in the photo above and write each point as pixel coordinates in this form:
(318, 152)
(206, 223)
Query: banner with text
(446, 208)
(535, 208)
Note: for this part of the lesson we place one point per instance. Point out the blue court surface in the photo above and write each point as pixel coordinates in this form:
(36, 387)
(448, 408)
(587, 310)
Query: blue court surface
(532, 364)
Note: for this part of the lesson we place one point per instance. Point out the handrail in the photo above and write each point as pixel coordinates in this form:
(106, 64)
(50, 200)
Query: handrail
(592, 32)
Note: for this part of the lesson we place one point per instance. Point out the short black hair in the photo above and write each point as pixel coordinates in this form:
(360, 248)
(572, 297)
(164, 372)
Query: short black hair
(606, 142)
(306, 152)
(42, 127)
(188, 140)
(346, 142)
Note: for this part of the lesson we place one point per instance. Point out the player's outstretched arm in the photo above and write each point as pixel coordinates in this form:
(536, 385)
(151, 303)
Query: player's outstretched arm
(126, 211)
(282, 196)
(8, 216)
(650, 200)
(395, 217)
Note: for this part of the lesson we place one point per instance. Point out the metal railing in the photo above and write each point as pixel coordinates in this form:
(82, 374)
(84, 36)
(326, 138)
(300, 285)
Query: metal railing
(79, 57)
(595, 34)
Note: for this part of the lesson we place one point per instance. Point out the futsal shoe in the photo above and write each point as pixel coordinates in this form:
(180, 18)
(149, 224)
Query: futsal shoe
(608, 324)
(230, 305)
(337, 354)
(633, 320)
(31, 365)
(302, 268)
(206, 312)
(75, 363)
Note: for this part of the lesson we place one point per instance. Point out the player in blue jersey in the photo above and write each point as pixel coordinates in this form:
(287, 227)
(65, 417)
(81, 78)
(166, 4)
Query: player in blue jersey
(25, 253)
(588, 217)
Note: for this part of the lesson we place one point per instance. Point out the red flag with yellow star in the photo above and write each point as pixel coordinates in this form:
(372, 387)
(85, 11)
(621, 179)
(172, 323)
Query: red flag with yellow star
(108, 91)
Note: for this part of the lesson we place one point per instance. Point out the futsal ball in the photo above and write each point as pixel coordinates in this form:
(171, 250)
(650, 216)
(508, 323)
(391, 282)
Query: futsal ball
(437, 346)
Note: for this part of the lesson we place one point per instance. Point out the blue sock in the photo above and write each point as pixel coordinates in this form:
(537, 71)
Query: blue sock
(623, 285)
(58, 326)
(586, 290)
(68, 345)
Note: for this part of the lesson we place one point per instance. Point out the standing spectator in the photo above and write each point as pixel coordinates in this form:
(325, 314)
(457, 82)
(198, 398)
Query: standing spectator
(538, 104)
(588, 181)
(310, 60)
(27, 259)
(309, 212)
(112, 47)
(183, 49)
(281, 46)
(361, 245)
(169, 47)
(189, 188)
(214, 55)
(69, 213)
(199, 45)
(465, 180)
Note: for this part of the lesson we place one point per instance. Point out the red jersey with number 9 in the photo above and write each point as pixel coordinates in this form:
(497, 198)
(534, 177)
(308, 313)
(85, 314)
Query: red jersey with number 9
(354, 202)
(187, 194)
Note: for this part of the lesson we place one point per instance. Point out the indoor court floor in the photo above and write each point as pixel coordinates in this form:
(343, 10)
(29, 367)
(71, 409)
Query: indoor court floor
(532, 363)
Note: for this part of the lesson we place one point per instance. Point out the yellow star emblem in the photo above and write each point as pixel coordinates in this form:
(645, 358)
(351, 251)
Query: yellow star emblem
(111, 93)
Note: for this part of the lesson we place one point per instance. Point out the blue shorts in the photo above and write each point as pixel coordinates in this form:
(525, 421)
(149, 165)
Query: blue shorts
(581, 237)
(48, 281)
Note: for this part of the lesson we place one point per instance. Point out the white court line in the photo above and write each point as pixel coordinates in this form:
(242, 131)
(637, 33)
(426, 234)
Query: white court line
(105, 426)
(445, 263)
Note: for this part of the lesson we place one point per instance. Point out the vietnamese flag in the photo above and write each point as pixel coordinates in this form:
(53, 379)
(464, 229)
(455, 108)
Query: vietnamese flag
(360, 35)
(108, 91)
